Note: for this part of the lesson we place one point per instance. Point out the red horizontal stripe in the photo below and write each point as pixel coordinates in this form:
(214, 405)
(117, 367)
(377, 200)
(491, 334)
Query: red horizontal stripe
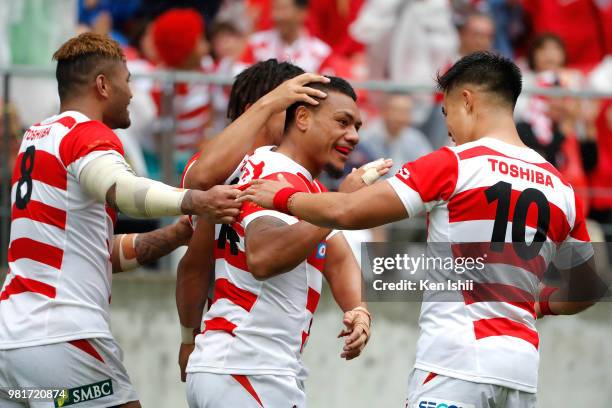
(46, 168)
(312, 300)
(20, 285)
(498, 292)
(88, 137)
(507, 256)
(36, 251)
(224, 289)
(472, 205)
(88, 348)
(193, 113)
(238, 261)
(244, 381)
(41, 212)
(220, 323)
(487, 151)
(501, 326)
(67, 121)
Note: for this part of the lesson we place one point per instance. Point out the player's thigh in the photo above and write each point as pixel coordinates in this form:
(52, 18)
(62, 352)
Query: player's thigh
(427, 390)
(90, 372)
(207, 390)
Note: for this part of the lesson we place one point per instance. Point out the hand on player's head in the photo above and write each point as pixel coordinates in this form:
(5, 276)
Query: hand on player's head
(262, 192)
(365, 175)
(293, 90)
(218, 204)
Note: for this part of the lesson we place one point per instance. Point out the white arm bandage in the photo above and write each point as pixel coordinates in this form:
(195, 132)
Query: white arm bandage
(137, 197)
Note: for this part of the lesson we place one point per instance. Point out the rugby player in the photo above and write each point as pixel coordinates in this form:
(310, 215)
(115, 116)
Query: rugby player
(486, 189)
(255, 128)
(69, 179)
(269, 269)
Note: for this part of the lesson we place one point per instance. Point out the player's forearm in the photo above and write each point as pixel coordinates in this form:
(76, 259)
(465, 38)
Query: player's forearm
(225, 151)
(290, 244)
(192, 284)
(345, 285)
(343, 274)
(330, 210)
(581, 288)
(132, 250)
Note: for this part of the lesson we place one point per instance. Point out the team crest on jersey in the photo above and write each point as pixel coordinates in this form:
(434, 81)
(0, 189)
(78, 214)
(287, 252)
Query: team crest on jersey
(404, 173)
(84, 393)
(321, 249)
(251, 170)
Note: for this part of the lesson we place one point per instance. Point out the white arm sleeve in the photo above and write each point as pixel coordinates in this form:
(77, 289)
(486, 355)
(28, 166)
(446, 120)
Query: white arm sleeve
(137, 197)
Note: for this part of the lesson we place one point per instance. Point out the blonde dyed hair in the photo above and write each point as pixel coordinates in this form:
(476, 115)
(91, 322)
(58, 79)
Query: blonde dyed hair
(87, 44)
(81, 59)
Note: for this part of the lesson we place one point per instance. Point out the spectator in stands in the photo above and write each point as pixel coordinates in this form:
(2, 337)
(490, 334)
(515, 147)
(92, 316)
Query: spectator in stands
(559, 128)
(409, 42)
(228, 42)
(330, 20)
(178, 36)
(476, 33)
(585, 26)
(107, 16)
(600, 179)
(392, 136)
(288, 40)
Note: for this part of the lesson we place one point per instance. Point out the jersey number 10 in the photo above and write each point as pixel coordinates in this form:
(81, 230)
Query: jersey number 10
(502, 193)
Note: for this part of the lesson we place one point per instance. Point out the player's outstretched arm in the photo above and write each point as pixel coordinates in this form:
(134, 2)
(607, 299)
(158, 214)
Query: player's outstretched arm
(109, 179)
(289, 244)
(192, 283)
(368, 207)
(581, 288)
(129, 251)
(344, 277)
(225, 151)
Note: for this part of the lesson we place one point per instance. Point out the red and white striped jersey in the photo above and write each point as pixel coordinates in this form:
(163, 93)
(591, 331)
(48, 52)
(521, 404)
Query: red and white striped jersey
(259, 327)
(59, 283)
(307, 52)
(483, 192)
(192, 109)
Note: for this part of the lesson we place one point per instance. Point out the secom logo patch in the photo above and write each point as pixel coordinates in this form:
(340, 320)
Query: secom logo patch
(438, 403)
(85, 393)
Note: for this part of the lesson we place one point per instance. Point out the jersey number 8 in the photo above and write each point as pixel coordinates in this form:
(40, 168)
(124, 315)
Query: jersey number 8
(22, 198)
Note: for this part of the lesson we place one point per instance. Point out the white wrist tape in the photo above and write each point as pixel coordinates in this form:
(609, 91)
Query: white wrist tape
(127, 252)
(137, 197)
(371, 174)
(187, 335)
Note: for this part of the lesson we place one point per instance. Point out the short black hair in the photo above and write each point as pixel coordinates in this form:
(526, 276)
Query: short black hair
(335, 84)
(256, 81)
(539, 42)
(495, 73)
(301, 3)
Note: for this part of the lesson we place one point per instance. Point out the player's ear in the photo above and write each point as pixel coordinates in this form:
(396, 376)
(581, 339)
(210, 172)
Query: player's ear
(102, 85)
(302, 118)
(467, 97)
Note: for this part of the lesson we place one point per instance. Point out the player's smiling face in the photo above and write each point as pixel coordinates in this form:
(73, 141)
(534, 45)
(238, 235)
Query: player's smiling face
(117, 115)
(334, 131)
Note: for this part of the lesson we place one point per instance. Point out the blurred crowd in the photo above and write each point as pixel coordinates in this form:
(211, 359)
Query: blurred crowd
(566, 43)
